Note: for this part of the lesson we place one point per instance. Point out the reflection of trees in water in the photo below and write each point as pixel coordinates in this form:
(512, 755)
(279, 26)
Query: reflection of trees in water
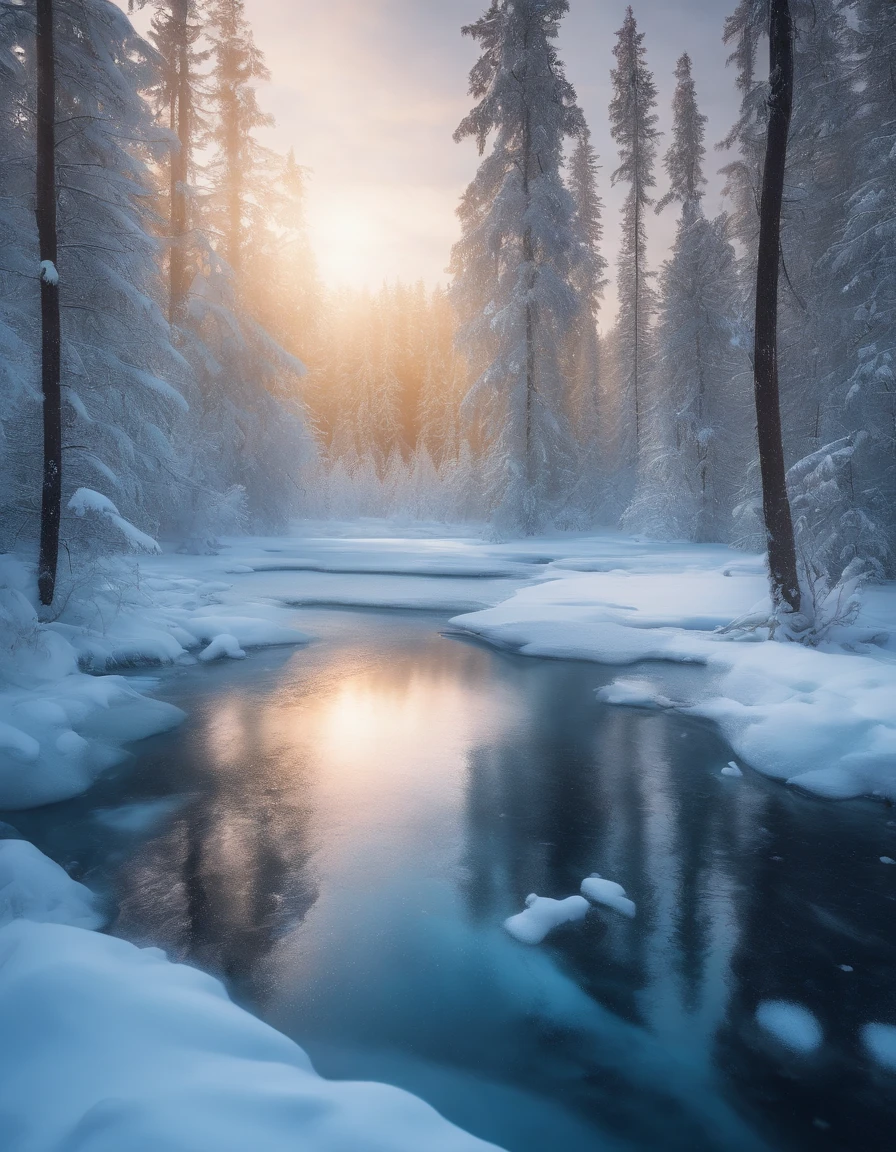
(228, 875)
(579, 788)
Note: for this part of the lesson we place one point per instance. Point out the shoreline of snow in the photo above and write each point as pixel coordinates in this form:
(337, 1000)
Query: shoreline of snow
(822, 719)
(109, 1046)
(65, 717)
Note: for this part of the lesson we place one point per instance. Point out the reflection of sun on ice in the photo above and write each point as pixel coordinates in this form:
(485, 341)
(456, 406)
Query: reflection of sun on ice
(396, 745)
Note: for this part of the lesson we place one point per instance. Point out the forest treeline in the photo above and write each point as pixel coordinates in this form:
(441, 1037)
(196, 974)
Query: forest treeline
(208, 382)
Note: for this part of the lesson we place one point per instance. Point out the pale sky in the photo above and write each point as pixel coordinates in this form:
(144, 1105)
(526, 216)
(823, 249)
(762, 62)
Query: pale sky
(369, 92)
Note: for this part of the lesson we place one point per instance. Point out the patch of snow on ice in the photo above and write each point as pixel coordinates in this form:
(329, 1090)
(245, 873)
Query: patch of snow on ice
(731, 769)
(608, 893)
(880, 1041)
(634, 694)
(48, 272)
(542, 915)
(887, 860)
(223, 645)
(792, 1024)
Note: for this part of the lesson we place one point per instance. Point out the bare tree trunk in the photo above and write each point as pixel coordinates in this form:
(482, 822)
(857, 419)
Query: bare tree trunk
(531, 366)
(775, 503)
(181, 124)
(51, 338)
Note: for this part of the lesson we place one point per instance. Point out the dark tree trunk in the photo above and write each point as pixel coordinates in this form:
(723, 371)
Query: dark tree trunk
(775, 502)
(51, 496)
(181, 124)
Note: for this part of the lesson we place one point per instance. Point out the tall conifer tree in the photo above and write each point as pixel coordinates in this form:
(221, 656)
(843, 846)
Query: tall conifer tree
(514, 265)
(633, 124)
(696, 438)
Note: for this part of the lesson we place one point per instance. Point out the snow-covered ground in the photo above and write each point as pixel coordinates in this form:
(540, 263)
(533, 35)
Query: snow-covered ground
(142, 1053)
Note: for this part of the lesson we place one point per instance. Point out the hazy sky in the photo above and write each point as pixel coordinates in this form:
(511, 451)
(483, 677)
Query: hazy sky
(369, 92)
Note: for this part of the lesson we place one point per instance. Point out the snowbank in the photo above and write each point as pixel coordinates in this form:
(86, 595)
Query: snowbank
(61, 728)
(109, 1047)
(822, 720)
(35, 888)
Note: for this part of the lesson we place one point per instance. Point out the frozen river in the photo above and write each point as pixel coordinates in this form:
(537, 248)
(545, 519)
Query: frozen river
(340, 830)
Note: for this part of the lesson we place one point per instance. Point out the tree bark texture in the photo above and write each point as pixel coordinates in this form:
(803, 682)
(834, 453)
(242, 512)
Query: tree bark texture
(50, 320)
(775, 503)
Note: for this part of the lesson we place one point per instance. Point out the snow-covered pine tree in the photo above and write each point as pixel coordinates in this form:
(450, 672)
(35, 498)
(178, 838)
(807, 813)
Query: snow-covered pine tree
(514, 264)
(243, 446)
(583, 345)
(177, 95)
(116, 360)
(697, 444)
(864, 263)
(633, 125)
(241, 166)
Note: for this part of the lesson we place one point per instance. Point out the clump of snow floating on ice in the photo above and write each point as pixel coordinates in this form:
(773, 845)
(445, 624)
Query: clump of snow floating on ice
(731, 769)
(792, 1024)
(542, 915)
(634, 694)
(223, 645)
(887, 860)
(880, 1042)
(108, 1047)
(609, 894)
(34, 887)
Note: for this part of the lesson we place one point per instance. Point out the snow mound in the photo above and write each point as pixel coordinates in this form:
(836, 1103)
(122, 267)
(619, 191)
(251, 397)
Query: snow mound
(634, 694)
(609, 894)
(731, 769)
(34, 887)
(109, 1048)
(542, 915)
(58, 737)
(223, 645)
(246, 631)
(792, 1024)
(880, 1042)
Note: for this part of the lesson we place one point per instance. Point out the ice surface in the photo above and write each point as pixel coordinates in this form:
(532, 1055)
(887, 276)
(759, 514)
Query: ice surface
(542, 915)
(609, 893)
(634, 693)
(792, 1024)
(223, 645)
(880, 1041)
(110, 1048)
(34, 887)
